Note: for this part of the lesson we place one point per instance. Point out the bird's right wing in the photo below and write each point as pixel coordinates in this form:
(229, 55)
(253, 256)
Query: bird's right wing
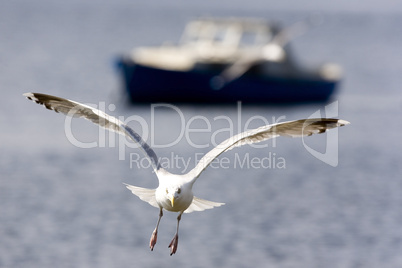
(146, 195)
(298, 128)
(76, 109)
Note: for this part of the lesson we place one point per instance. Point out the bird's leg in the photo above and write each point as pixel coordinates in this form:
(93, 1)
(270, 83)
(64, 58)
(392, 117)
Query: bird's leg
(175, 240)
(154, 235)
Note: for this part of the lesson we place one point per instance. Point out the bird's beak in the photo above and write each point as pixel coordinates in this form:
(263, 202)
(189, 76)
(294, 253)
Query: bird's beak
(172, 201)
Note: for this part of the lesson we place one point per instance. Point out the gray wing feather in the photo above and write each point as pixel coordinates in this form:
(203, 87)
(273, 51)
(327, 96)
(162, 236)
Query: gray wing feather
(298, 128)
(76, 109)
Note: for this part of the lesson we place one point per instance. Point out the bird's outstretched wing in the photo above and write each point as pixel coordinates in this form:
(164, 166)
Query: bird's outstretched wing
(76, 109)
(298, 128)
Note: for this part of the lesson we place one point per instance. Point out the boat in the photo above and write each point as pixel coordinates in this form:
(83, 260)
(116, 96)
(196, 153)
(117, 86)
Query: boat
(221, 60)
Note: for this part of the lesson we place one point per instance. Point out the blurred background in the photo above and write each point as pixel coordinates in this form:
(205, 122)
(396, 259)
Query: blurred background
(67, 207)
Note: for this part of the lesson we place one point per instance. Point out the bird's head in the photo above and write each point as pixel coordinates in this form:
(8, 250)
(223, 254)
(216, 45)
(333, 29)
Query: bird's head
(173, 193)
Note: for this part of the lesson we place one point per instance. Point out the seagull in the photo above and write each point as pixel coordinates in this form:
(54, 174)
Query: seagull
(175, 191)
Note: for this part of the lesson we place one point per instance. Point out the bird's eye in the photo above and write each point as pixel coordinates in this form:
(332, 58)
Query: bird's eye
(167, 191)
(179, 191)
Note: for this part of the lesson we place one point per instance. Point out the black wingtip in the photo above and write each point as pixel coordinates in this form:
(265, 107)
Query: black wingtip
(28, 95)
(342, 123)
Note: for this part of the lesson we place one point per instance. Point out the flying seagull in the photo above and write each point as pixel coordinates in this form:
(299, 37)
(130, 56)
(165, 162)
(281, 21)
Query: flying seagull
(174, 192)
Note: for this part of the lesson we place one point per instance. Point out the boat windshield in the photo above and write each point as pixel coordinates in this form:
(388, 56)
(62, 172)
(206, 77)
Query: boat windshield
(231, 33)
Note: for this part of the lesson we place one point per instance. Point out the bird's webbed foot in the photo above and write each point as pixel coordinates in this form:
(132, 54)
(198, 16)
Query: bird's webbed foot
(154, 237)
(173, 244)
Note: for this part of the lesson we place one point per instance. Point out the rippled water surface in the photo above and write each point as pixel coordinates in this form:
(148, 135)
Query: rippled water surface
(65, 206)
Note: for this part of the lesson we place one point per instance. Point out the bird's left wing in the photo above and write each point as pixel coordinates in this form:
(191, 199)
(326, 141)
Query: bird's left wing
(76, 109)
(199, 204)
(298, 128)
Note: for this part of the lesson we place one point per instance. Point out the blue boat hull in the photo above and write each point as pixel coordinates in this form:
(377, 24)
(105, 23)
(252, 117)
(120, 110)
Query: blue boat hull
(147, 84)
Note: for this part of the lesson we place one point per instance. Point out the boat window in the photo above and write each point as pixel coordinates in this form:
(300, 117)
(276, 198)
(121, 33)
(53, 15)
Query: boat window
(248, 39)
(190, 34)
(220, 35)
(233, 34)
